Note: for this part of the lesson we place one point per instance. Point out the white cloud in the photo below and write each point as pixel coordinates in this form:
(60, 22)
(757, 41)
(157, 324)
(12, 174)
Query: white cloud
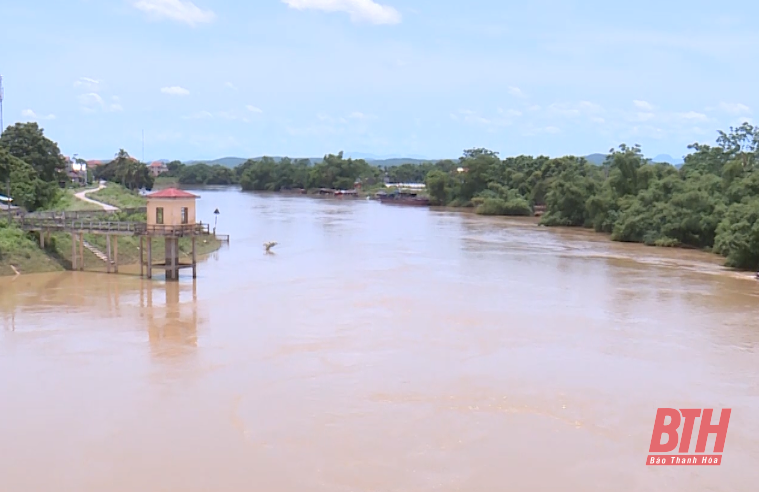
(92, 101)
(178, 10)
(510, 112)
(253, 109)
(358, 10)
(643, 116)
(32, 116)
(694, 116)
(582, 108)
(734, 108)
(87, 83)
(358, 115)
(200, 115)
(515, 91)
(175, 91)
(644, 105)
(230, 85)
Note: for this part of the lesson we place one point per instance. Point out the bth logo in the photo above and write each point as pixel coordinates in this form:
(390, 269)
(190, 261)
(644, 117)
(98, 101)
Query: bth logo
(667, 431)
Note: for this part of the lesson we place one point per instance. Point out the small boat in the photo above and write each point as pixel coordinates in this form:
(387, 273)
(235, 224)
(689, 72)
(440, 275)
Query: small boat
(403, 198)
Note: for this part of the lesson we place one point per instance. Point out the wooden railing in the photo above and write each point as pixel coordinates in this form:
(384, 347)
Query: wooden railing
(173, 230)
(82, 225)
(224, 238)
(80, 214)
(106, 226)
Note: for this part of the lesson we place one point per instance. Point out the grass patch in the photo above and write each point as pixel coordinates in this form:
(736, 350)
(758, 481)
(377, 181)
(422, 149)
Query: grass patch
(118, 196)
(20, 250)
(67, 201)
(165, 182)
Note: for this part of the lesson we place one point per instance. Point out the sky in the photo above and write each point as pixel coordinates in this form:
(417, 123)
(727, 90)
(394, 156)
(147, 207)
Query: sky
(205, 79)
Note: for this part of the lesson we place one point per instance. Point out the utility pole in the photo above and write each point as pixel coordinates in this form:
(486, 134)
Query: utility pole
(8, 191)
(2, 128)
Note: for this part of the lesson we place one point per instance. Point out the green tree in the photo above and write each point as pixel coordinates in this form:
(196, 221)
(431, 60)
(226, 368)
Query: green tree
(26, 141)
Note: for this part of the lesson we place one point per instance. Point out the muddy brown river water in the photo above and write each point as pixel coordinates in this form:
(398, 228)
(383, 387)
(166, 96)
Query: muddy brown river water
(380, 349)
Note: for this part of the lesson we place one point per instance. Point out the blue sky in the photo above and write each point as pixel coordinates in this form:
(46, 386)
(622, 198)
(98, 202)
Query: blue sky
(213, 78)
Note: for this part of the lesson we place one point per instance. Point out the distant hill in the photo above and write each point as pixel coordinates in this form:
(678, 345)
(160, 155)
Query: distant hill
(596, 159)
(390, 161)
(236, 161)
(668, 159)
(224, 161)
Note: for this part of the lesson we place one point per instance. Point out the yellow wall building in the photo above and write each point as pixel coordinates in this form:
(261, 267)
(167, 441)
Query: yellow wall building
(171, 207)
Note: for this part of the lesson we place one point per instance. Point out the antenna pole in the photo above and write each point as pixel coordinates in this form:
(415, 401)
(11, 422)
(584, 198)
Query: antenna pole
(2, 128)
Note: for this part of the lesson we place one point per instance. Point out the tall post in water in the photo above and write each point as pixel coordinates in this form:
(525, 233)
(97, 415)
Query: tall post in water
(172, 258)
(149, 263)
(194, 260)
(81, 250)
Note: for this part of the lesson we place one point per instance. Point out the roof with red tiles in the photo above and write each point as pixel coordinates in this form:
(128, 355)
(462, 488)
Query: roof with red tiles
(172, 193)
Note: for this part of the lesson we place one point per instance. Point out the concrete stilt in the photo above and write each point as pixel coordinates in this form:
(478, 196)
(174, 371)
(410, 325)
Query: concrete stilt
(142, 256)
(150, 257)
(172, 258)
(42, 239)
(81, 251)
(73, 249)
(108, 253)
(194, 260)
(115, 254)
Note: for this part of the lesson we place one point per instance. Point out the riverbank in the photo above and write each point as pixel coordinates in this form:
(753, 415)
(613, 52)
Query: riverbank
(20, 252)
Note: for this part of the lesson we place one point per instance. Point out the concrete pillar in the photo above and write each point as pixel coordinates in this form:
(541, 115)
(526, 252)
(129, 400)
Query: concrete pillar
(108, 253)
(194, 260)
(42, 239)
(73, 249)
(115, 254)
(81, 251)
(172, 258)
(149, 263)
(142, 256)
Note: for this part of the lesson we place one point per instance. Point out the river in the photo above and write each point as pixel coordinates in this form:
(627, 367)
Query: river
(381, 348)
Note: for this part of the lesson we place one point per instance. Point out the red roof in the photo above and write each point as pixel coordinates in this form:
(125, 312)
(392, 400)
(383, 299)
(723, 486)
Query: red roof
(171, 193)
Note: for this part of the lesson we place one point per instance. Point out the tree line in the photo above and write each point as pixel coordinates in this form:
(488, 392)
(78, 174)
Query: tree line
(334, 171)
(33, 166)
(711, 202)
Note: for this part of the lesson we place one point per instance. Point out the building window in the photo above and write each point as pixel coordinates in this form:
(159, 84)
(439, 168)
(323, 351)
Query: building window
(185, 215)
(159, 215)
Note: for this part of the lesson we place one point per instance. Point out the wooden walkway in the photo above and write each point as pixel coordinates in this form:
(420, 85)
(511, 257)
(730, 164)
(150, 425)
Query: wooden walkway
(108, 227)
(48, 223)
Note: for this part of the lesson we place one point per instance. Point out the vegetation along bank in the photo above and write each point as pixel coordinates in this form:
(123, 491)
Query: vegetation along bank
(36, 171)
(710, 202)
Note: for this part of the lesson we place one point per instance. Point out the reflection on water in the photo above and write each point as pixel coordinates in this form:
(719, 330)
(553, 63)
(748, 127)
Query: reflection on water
(381, 348)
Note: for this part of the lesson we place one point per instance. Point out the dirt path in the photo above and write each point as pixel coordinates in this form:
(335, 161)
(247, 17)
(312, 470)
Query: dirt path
(82, 195)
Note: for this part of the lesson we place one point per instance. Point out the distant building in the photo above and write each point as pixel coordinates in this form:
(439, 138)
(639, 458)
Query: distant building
(76, 171)
(157, 168)
(407, 186)
(171, 208)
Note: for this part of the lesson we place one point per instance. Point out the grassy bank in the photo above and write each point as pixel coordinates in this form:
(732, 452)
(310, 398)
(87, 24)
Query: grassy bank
(22, 250)
(68, 202)
(18, 250)
(129, 249)
(165, 182)
(118, 196)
